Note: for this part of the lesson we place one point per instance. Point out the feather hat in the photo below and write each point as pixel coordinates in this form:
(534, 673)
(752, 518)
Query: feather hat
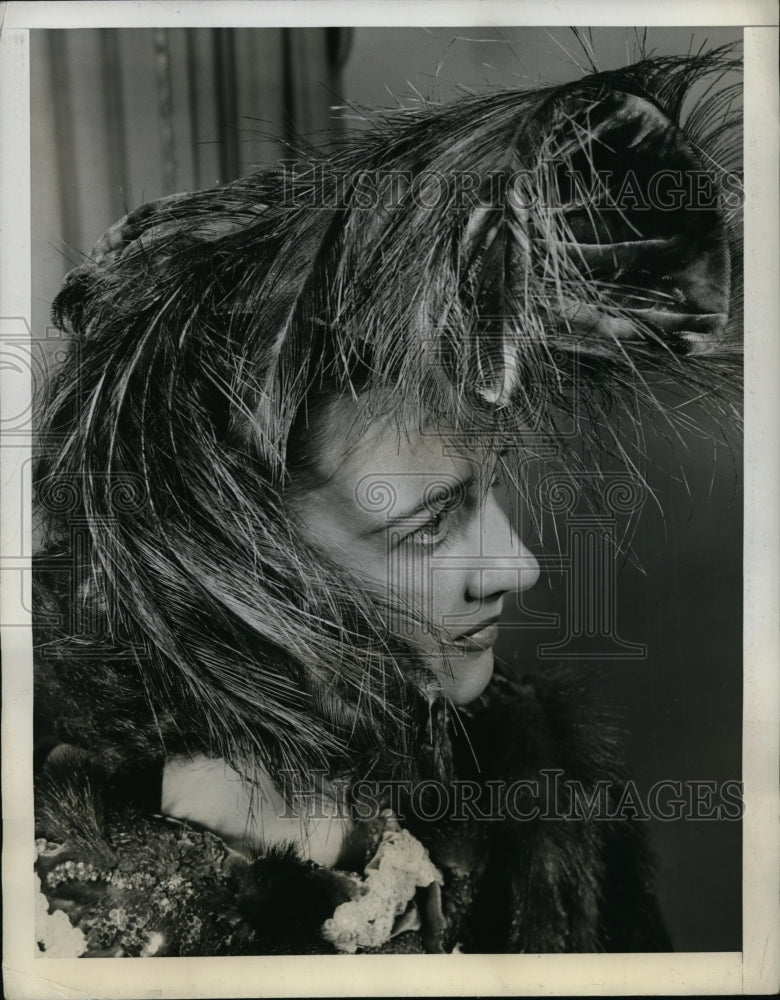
(502, 262)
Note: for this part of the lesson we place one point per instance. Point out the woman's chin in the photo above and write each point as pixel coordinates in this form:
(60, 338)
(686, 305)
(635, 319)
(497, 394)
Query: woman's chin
(464, 678)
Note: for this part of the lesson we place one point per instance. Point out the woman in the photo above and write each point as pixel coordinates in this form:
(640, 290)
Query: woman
(276, 559)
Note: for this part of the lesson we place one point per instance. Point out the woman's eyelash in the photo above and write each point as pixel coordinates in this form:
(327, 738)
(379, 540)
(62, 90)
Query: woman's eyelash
(432, 527)
(436, 529)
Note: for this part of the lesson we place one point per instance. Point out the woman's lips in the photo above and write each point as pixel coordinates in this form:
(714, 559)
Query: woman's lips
(478, 639)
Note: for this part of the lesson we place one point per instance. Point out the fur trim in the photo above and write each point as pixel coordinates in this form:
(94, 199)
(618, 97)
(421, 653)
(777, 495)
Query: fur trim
(509, 885)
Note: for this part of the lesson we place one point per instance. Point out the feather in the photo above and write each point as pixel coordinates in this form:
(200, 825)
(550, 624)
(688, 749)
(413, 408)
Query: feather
(440, 263)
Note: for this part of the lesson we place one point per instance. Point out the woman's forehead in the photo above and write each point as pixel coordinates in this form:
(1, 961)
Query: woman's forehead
(371, 470)
(354, 443)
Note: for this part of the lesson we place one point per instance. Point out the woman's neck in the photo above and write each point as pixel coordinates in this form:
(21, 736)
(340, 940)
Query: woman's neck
(211, 794)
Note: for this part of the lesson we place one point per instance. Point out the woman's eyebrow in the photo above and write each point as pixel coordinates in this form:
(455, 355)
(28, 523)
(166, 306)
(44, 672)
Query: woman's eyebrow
(445, 496)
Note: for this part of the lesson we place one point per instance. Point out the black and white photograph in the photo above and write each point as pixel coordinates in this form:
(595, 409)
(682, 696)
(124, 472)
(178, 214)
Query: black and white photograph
(388, 569)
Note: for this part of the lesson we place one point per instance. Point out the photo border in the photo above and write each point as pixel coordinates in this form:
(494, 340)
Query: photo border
(757, 968)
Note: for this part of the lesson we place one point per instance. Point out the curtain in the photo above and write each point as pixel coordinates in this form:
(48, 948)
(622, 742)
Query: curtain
(122, 116)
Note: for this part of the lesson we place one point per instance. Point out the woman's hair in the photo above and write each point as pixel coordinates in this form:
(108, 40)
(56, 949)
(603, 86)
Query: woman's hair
(504, 263)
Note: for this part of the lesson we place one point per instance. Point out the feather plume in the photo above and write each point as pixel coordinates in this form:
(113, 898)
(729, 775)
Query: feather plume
(440, 263)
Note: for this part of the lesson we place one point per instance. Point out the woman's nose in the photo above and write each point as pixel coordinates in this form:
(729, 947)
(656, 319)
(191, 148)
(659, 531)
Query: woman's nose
(502, 562)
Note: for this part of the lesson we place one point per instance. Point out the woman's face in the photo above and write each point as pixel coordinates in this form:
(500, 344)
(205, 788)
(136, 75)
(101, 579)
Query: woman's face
(414, 514)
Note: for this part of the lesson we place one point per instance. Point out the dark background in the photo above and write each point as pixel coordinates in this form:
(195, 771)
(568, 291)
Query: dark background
(123, 116)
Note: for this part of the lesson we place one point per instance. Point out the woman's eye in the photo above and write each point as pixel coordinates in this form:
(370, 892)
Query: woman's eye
(432, 531)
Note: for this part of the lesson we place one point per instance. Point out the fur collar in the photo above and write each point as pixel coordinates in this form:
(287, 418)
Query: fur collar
(536, 882)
